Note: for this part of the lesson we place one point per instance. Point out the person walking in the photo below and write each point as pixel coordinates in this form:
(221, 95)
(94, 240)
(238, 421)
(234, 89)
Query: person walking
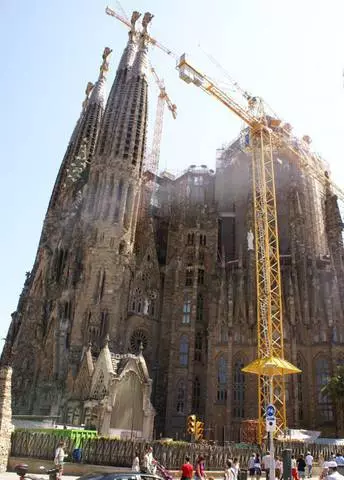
(294, 468)
(236, 468)
(229, 472)
(278, 468)
(148, 460)
(257, 466)
(333, 473)
(200, 469)
(266, 464)
(301, 467)
(187, 469)
(136, 462)
(309, 464)
(60, 456)
(250, 465)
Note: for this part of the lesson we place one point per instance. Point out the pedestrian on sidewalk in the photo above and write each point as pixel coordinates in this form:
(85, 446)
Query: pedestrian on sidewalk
(294, 468)
(301, 467)
(136, 462)
(278, 468)
(60, 456)
(187, 469)
(200, 469)
(229, 472)
(236, 468)
(309, 464)
(266, 464)
(250, 465)
(333, 473)
(257, 466)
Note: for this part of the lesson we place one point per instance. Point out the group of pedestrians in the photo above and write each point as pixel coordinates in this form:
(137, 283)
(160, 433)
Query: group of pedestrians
(300, 466)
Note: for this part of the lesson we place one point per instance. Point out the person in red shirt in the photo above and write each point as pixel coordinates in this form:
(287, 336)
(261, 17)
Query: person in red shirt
(187, 469)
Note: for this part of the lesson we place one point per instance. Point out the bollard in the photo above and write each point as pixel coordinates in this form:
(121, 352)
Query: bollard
(286, 457)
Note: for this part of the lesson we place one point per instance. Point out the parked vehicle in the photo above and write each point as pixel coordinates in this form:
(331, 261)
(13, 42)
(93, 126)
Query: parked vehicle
(22, 469)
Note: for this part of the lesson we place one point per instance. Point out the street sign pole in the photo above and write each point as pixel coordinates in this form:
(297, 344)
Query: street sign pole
(272, 447)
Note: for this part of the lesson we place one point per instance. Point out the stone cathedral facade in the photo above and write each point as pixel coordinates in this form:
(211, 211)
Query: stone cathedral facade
(171, 282)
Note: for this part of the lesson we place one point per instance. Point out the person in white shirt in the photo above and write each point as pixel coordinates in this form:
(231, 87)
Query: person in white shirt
(229, 472)
(309, 464)
(60, 457)
(266, 464)
(136, 463)
(250, 465)
(333, 474)
(148, 461)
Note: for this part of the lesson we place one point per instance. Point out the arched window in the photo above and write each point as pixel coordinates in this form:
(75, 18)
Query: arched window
(222, 380)
(238, 390)
(322, 374)
(196, 395)
(198, 347)
(180, 406)
(184, 351)
(199, 309)
(202, 240)
(136, 302)
(100, 286)
(200, 276)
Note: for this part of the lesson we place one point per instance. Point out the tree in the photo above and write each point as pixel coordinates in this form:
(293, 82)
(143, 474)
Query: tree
(335, 390)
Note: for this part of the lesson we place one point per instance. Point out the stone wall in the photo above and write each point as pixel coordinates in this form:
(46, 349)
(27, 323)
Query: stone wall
(5, 416)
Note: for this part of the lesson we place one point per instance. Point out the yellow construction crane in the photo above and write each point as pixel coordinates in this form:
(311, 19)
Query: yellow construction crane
(264, 137)
(267, 134)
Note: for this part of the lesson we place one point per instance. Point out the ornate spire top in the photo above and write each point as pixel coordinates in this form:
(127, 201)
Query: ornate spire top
(90, 346)
(107, 340)
(104, 68)
(147, 18)
(88, 90)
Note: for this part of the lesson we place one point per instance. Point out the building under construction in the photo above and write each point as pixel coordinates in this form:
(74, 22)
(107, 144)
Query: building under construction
(173, 276)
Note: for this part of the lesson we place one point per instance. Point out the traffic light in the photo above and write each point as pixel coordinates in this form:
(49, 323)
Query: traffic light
(199, 431)
(191, 424)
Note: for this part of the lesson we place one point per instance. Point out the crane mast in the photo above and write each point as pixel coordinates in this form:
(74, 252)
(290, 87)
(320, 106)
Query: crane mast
(262, 143)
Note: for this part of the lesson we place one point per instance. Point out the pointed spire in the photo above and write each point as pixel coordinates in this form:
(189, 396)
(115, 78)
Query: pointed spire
(87, 127)
(107, 341)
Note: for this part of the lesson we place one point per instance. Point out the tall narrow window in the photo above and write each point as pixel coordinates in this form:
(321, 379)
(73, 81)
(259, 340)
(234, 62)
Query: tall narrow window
(222, 380)
(223, 334)
(201, 276)
(189, 277)
(238, 390)
(202, 240)
(180, 406)
(184, 351)
(128, 206)
(198, 347)
(191, 238)
(118, 200)
(322, 372)
(186, 319)
(196, 395)
(200, 307)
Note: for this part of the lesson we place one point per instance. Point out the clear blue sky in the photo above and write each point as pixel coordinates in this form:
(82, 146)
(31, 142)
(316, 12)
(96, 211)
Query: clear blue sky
(291, 53)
